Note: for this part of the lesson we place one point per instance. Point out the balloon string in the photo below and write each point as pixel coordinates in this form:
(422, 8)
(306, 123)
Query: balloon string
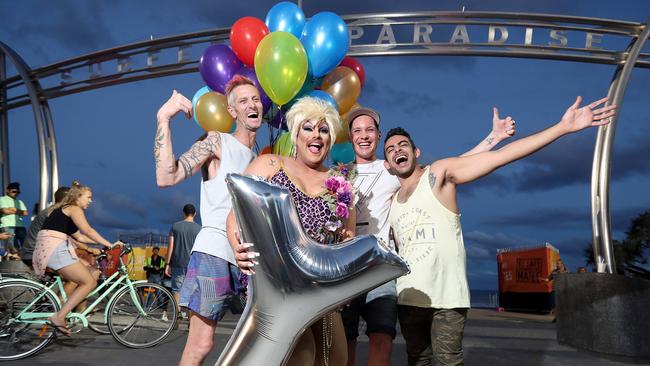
(273, 137)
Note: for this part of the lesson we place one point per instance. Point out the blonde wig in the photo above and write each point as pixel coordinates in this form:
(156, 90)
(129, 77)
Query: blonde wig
(314, 109)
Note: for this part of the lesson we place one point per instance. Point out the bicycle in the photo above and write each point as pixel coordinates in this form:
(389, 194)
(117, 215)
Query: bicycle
(26, 305)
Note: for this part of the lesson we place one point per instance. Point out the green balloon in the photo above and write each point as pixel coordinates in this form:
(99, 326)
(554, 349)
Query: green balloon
(281, 66)
(283, 145)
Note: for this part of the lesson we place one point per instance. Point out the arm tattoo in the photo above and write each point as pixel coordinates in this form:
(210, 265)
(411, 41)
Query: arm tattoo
(158, 144)
(432, 180)
(199, 153)
(489, 140)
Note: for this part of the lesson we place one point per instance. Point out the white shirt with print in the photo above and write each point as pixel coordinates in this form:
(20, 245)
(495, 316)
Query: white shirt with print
(375, 188)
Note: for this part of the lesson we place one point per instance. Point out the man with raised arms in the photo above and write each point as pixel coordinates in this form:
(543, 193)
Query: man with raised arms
(376, 187)
(433, 299)
(212, 278)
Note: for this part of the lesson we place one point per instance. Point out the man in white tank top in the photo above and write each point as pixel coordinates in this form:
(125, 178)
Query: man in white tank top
(433, 299)
(376, 187)
(212, 279)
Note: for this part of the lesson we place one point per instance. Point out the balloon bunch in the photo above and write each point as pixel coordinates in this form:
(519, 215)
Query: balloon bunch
(287, 58)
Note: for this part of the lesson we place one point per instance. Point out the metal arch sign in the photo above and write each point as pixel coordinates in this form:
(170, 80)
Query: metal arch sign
(425, 33)
(541, 36)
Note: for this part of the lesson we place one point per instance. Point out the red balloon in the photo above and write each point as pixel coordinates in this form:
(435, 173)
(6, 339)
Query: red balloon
(355, 65)
(245, 35)
(267, 150)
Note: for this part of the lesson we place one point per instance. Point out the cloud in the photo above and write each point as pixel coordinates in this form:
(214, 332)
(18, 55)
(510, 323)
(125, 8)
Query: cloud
(122, 203)
(76, 26)
(168, 206)
(482, 245)
(556, 217)
(380, 6)
(120, 213)
(564, 218)
(411, 102)
(99, 215)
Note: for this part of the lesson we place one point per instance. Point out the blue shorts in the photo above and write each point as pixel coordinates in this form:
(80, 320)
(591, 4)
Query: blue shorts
(380, 315)
(212, 286)
(178, 277)
(61, 257)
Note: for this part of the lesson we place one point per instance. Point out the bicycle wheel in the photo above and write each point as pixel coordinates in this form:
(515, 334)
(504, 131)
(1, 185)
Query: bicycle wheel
(98, 317)
(20, 339)
(135, 329)
(96, 320)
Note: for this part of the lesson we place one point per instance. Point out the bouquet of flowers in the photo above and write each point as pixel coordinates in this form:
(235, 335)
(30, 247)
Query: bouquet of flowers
(340, 196)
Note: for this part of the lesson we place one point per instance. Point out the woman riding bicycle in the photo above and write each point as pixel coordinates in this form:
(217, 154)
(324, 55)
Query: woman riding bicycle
(55, 250)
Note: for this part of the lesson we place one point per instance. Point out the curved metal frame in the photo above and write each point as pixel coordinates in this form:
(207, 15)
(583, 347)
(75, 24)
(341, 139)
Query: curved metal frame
(44, 125)
(624, 60)
(601, 173)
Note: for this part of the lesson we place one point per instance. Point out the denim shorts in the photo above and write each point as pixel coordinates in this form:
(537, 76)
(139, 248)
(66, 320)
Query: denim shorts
(61, 257)
(178, 277)
(380, 315)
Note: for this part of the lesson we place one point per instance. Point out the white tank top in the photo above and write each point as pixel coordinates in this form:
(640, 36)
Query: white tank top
(215, 200)
(430, 240)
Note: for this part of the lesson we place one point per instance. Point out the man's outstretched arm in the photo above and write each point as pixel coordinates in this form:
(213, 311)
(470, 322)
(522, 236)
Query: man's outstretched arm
(469, 168)
(170, 171)
(501, 129)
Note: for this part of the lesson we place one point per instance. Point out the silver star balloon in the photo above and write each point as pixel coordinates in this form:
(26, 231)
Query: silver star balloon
(297, 280)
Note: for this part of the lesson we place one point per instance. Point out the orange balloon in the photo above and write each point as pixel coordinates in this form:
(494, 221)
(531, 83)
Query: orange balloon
(212, 112)
(343, 134)
(343, 84)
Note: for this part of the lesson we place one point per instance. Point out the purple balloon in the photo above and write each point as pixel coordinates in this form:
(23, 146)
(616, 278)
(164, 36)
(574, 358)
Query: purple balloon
(217, 66)
(250, 74)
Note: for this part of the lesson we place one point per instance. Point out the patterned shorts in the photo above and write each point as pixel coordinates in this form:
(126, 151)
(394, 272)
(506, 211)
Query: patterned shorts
(212, 286)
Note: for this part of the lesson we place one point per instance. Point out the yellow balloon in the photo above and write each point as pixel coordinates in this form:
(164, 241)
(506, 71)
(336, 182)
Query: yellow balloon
(281, 66)
(343, 134)
(344, 85)
(212, 112)
(284, 146)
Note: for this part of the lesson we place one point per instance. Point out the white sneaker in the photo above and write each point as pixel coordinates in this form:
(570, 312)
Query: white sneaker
(164, 317)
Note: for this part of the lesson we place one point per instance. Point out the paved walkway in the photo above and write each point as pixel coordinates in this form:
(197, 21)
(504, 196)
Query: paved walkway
(491, 338)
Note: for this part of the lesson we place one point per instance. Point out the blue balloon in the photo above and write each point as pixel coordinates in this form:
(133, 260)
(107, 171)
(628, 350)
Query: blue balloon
(195, 99)
(287, 17)
(326, 41)
(342, 153)
(324, 96)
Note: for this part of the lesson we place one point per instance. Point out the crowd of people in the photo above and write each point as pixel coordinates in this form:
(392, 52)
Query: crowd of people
(416, 202)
